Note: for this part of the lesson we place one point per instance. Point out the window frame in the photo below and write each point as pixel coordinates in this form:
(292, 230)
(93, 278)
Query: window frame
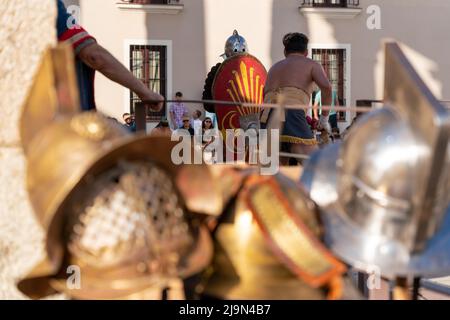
(169, 67)
(347, 76)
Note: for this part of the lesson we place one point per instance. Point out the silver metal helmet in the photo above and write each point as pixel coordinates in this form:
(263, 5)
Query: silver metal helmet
(384, 191)
(235, 44)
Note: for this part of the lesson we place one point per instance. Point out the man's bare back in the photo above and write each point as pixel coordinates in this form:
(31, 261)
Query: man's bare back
(296, 71)
(300, 72)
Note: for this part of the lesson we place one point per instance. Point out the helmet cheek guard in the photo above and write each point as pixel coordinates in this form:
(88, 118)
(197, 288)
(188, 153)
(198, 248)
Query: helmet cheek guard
(384, 191)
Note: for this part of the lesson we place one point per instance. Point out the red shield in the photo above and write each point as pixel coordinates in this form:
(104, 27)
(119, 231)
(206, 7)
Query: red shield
(240, 78)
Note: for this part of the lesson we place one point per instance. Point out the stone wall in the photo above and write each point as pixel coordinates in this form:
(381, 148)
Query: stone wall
(27, 29)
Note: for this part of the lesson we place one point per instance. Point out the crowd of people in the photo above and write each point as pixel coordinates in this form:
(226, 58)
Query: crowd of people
(185, 123)
(292, 78)
(197, 124)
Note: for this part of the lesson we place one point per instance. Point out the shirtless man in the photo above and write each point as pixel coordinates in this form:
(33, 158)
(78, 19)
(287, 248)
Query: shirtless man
(291, 81)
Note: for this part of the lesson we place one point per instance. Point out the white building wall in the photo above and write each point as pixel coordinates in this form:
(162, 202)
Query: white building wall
(198, 34)
(21, 236)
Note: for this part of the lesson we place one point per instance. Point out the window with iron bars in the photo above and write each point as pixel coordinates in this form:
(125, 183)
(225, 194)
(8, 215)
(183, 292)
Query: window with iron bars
(331, 3)
(148, 64)
(334, 64)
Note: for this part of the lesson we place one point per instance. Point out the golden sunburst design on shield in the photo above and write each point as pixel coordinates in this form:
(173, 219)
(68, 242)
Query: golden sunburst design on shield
(240, 79)
(246, 87)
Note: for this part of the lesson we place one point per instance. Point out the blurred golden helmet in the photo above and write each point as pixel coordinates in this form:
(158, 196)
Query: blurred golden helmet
(113, 205)
(269, 247)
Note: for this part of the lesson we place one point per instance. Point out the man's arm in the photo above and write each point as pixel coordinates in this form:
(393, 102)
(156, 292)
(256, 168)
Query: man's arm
(320, 78)
(101, 60)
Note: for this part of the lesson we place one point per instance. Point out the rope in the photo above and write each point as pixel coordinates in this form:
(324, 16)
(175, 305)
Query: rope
(220, 103)
(294, 155)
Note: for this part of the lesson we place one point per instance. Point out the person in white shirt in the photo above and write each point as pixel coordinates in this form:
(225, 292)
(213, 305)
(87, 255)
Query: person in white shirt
(197, 122)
